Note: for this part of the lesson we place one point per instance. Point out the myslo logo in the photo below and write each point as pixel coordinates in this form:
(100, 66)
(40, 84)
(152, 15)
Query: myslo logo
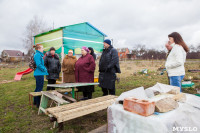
(191, 129)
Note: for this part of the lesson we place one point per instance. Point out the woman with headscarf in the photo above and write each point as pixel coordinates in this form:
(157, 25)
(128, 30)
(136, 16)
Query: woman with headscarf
(91, 51)
(68, 67)
(84, 72)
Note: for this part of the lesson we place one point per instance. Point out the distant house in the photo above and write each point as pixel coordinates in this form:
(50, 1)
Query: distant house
(12, 56)
(124, 53)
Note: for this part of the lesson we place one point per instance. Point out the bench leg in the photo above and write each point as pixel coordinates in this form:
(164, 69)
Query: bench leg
(43, 104)
(60, 126)
(73, 92)
(55, 124)
(77, 96)
(29, 99)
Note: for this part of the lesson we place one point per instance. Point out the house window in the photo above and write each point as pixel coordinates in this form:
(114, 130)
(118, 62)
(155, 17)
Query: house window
(4, 54)
(18, 54)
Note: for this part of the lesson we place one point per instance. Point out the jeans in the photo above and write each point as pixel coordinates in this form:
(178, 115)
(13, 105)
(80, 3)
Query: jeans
(176, 81)
(39, 87)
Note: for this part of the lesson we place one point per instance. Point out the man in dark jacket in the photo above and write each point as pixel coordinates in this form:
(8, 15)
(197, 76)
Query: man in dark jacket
(52, 63)
(108, 66)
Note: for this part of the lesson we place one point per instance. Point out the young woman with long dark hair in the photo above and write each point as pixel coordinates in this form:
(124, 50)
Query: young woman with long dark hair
(176, 59)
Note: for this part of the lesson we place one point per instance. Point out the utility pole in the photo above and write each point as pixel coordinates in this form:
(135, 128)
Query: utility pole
(112, 42)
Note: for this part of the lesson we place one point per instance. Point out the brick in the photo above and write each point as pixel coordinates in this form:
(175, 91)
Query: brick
(141, 107)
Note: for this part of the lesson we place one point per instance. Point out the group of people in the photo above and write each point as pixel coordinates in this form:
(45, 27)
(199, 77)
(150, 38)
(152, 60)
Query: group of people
(81, 70)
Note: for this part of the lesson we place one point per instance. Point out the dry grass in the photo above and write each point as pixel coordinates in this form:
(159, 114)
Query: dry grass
(17, 116)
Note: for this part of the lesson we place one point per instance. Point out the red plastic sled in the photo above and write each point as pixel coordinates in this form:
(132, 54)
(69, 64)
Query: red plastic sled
(19, 75)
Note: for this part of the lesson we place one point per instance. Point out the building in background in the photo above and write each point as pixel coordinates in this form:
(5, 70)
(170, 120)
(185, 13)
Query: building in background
(124, 53)
(72, 37)
(12, 56)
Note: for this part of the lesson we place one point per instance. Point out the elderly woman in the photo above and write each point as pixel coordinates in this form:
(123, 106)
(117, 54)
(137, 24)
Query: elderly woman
(84, 72)
(68, 68)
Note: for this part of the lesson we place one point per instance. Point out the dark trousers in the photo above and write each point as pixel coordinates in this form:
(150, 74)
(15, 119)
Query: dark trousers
(108, 91)
(39, 87)
(51, 81)
(87, 95)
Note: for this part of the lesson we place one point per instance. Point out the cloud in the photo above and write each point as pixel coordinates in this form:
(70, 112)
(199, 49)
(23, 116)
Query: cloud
(127, 22)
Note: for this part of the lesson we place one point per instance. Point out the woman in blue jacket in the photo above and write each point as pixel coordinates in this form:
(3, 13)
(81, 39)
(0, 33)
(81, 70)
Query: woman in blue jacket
(39, 72)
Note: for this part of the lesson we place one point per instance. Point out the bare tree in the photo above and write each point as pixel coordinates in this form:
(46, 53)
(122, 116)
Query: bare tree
(139, 50)
(198, 47)
(36, 26)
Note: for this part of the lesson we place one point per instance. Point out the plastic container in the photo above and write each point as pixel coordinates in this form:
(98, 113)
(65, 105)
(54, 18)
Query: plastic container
(96, 80)
(187, 85)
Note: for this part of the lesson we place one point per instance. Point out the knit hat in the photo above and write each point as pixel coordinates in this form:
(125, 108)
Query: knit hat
(70, 51)
(85, 48)
(107, 41)
(52, 48)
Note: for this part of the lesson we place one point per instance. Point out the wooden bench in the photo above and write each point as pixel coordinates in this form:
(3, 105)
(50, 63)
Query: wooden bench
(74, 110)
(54, 96)
(35, 94)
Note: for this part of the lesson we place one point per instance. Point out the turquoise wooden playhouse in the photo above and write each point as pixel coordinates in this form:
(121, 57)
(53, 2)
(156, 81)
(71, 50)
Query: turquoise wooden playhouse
(72, 37)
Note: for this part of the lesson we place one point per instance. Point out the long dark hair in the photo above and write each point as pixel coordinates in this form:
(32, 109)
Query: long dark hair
(179, 40)
(92, 50)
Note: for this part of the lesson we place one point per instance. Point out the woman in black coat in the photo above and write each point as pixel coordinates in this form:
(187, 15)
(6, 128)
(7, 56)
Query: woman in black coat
(52, 63)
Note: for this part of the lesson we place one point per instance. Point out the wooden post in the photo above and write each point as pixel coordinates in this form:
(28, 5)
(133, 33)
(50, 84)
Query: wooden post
(73, 92)
(62, 58)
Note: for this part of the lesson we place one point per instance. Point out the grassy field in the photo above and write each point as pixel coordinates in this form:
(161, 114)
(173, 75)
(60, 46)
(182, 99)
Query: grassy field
(17, 116)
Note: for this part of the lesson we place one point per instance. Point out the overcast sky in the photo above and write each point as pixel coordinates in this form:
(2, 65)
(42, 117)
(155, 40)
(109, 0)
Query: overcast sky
(128, 22)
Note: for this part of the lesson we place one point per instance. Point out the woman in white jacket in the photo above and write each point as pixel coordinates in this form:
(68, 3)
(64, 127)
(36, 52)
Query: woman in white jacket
(176, 59)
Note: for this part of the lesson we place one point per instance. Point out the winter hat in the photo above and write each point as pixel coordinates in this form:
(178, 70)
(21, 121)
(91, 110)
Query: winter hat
(52, 48)
(85, 48)
(107, 41)
(70, 51)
